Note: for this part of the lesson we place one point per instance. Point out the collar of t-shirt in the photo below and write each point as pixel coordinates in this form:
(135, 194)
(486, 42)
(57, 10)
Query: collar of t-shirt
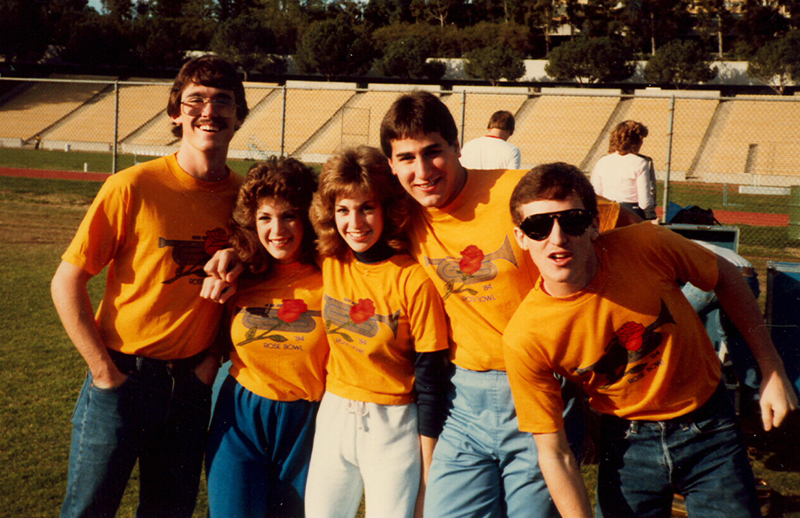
(378, 252)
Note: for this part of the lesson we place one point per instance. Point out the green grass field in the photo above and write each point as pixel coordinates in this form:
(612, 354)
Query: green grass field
(41, 372)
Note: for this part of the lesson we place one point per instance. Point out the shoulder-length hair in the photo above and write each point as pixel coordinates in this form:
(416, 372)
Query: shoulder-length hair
(626, 137)
(287, 179)
(361, 170)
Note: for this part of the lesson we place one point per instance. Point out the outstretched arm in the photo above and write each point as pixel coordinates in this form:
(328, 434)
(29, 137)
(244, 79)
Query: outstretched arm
(74, 307)
(562, 475)
(777, 395)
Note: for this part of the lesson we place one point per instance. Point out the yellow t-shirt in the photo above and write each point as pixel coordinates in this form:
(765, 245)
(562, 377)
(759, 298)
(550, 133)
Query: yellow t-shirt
(279, 342)
(155, 226)
(630, 338)
(377, 316)
(469, 250)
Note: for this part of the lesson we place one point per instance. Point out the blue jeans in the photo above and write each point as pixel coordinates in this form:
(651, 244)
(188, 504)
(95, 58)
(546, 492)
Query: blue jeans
(158, 416)
(700, 456)
(483, 466)
(258, 454)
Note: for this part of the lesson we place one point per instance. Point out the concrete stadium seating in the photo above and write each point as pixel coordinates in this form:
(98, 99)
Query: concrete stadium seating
(561, 128)
(43, 104)
(748, 140)
(306, 112)
(752, 138)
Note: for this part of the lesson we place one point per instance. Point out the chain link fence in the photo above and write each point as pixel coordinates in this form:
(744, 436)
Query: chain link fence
(735, 155)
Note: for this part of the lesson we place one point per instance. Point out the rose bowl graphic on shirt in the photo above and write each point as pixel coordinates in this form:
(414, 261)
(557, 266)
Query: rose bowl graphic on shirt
(191, 256)
(474, 266)
(292, 316)
(358, 317)
(631, 342)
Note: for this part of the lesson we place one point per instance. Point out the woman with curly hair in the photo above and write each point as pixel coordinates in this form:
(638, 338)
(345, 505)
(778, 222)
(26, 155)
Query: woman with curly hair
(625, 176)
(382, 410)
(263, 425)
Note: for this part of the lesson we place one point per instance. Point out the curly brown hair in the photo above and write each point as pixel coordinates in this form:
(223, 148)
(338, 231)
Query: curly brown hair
(627, 137)
(284, 178)
(359, 170)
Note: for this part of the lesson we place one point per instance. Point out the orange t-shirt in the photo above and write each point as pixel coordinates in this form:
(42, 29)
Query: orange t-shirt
(377, 316)
(155, 226)
(630, 338)
(279, 342)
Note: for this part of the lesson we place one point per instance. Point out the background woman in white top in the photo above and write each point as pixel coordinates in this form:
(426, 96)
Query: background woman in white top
(623, 175)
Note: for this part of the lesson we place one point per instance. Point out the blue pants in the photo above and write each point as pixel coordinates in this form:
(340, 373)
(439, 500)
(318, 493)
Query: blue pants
(258, 454)
(483, 466)
(159, 416)
(700, 456)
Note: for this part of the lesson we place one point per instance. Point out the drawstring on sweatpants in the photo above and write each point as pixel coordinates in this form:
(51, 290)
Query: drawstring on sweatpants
(359, 408)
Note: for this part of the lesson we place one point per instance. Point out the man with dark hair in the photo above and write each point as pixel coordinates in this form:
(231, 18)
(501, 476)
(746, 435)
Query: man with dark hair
(147, 394)
(493, 151)
(483, 466)
(608, 313)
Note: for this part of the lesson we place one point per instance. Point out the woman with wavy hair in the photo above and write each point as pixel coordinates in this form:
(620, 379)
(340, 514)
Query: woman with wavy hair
(263, 425)
(387, 330)
(625, 176)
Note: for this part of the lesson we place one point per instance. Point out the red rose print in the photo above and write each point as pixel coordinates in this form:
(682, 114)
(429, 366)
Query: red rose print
(216, 239)
(291, 309)
(362, 311)
(630, 335)
(471, 259)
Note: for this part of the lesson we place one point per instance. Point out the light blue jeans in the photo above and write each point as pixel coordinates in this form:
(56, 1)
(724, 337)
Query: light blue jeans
(700, 456)
(483, 466)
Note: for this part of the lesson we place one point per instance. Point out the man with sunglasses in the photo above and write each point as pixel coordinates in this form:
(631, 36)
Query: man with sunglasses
(608, 313)
(147, 394)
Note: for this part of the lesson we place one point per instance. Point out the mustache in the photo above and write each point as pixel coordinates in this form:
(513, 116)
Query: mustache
(221, 123)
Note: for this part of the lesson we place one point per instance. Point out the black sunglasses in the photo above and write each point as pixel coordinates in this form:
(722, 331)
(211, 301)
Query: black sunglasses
(574, 222)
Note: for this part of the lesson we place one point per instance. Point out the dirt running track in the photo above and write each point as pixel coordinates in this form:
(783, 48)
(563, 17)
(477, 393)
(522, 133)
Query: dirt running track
(726, 217)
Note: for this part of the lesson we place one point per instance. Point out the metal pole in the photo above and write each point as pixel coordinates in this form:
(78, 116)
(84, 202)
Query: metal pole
(283, 120)
(463, 114)
(116, 127)
(669, 159)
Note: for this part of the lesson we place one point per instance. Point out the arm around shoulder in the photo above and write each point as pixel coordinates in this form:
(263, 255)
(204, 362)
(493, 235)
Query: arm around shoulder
(74, 307)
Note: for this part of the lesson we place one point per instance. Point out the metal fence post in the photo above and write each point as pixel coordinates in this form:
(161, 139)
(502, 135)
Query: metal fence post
(463, 114)
(669, 158)
(283, 121)
(116, 127)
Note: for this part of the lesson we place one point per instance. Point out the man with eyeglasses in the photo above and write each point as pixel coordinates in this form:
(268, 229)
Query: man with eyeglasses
(147, 395)
(608, 313)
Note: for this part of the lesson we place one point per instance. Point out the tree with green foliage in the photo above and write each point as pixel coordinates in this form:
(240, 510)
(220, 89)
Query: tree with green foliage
(601, 18)
(409, 59)
(652, 23)
(333, 48)
(756, 26)
(380, 13)
(494, 63)
(436, 10)
(249, 43)
(680, 63)
(778, 62)
(23, 35)
(590, 60)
